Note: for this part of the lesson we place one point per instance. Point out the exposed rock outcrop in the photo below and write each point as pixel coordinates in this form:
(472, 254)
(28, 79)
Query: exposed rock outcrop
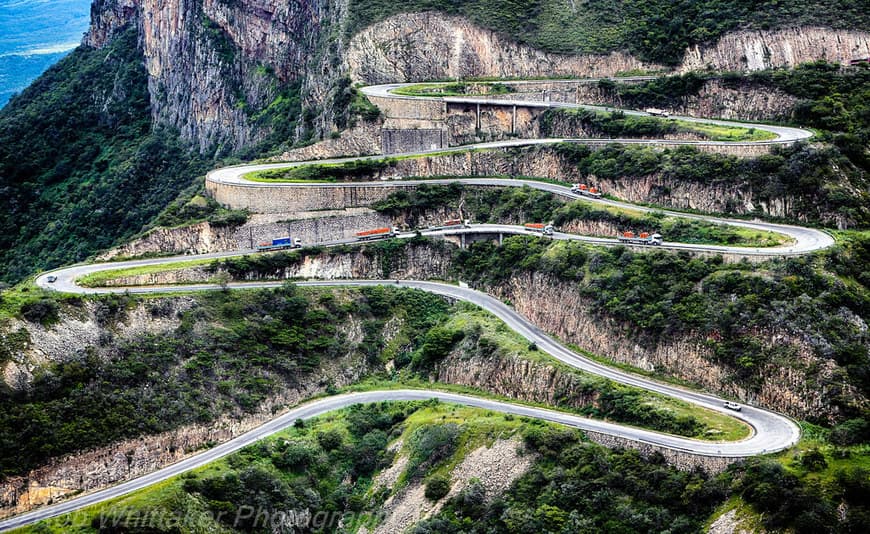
(515, 378)
(429, 46)
(217, 68)
(107, 18)
(417, 262)
(496, 466)
(82, 328)
(764, 49)
(787, 386)
(203, 238)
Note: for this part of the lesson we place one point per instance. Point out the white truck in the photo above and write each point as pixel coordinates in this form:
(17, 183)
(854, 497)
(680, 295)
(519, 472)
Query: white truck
(656, 112)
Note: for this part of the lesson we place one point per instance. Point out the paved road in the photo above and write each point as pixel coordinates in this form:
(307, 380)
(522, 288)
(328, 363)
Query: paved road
(785, 134)
(804, 239)
(770, 431)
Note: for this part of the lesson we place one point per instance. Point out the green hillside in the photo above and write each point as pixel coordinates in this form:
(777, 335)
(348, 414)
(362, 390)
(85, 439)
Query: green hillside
(80, 164)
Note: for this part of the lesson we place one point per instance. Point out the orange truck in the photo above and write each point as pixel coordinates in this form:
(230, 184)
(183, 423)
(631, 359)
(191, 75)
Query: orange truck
(643, 239)
(377, 233)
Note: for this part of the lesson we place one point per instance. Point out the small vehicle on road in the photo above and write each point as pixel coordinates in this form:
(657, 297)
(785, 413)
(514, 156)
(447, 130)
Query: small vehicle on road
(51, 279)
(655, 112)
(543, 229)
(732, 406)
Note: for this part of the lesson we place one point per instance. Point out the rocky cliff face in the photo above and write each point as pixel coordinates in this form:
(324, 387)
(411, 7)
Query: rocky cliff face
(88, 326)
(428, 46)
(220, 71)
(419, 46)
(714, 99)
(415, 262)
(202, 238)
(758, 50)
(786, 386)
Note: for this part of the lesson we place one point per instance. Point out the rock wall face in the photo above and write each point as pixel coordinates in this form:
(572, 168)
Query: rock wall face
(418, 262)
(788, 387)
(78, 330)
(716, 99)
(429, 46)
(214, 66)
(540, 162)
(759, 50)
(107, 17)
(203, 238)
(293, 200)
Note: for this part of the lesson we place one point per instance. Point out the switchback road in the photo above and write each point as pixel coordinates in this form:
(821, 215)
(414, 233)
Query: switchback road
(770, 431)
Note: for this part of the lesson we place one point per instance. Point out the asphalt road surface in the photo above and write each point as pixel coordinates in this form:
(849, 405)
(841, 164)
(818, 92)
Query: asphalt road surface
(770, 431)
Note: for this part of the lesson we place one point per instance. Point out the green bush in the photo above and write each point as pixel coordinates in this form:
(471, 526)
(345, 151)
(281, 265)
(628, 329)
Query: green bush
(429, 445)
(43, 311)
(437, 487)
(330, 440)
(851, 432)
(813, 460)
(436, 345)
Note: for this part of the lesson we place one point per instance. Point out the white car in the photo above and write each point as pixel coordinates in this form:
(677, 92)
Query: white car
(732, 406)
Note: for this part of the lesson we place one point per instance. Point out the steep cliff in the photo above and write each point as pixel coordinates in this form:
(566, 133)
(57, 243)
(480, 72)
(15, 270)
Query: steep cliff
(788, 385)
(227, 75)
(230, 75)
(765, 49)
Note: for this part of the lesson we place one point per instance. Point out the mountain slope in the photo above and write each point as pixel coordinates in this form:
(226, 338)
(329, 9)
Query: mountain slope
(80, 166)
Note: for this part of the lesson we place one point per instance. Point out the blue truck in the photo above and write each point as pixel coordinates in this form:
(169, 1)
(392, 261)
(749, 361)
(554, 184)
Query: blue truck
(279, 244)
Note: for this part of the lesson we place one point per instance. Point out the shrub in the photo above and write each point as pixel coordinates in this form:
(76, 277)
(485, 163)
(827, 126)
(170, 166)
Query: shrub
(437, 486)
(43, 311)
(430, 445)
(814, 460)
(851, 432)
(330, 440)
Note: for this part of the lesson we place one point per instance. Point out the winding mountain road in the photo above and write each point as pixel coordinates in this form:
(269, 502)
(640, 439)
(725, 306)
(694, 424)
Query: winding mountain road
(770, 431)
